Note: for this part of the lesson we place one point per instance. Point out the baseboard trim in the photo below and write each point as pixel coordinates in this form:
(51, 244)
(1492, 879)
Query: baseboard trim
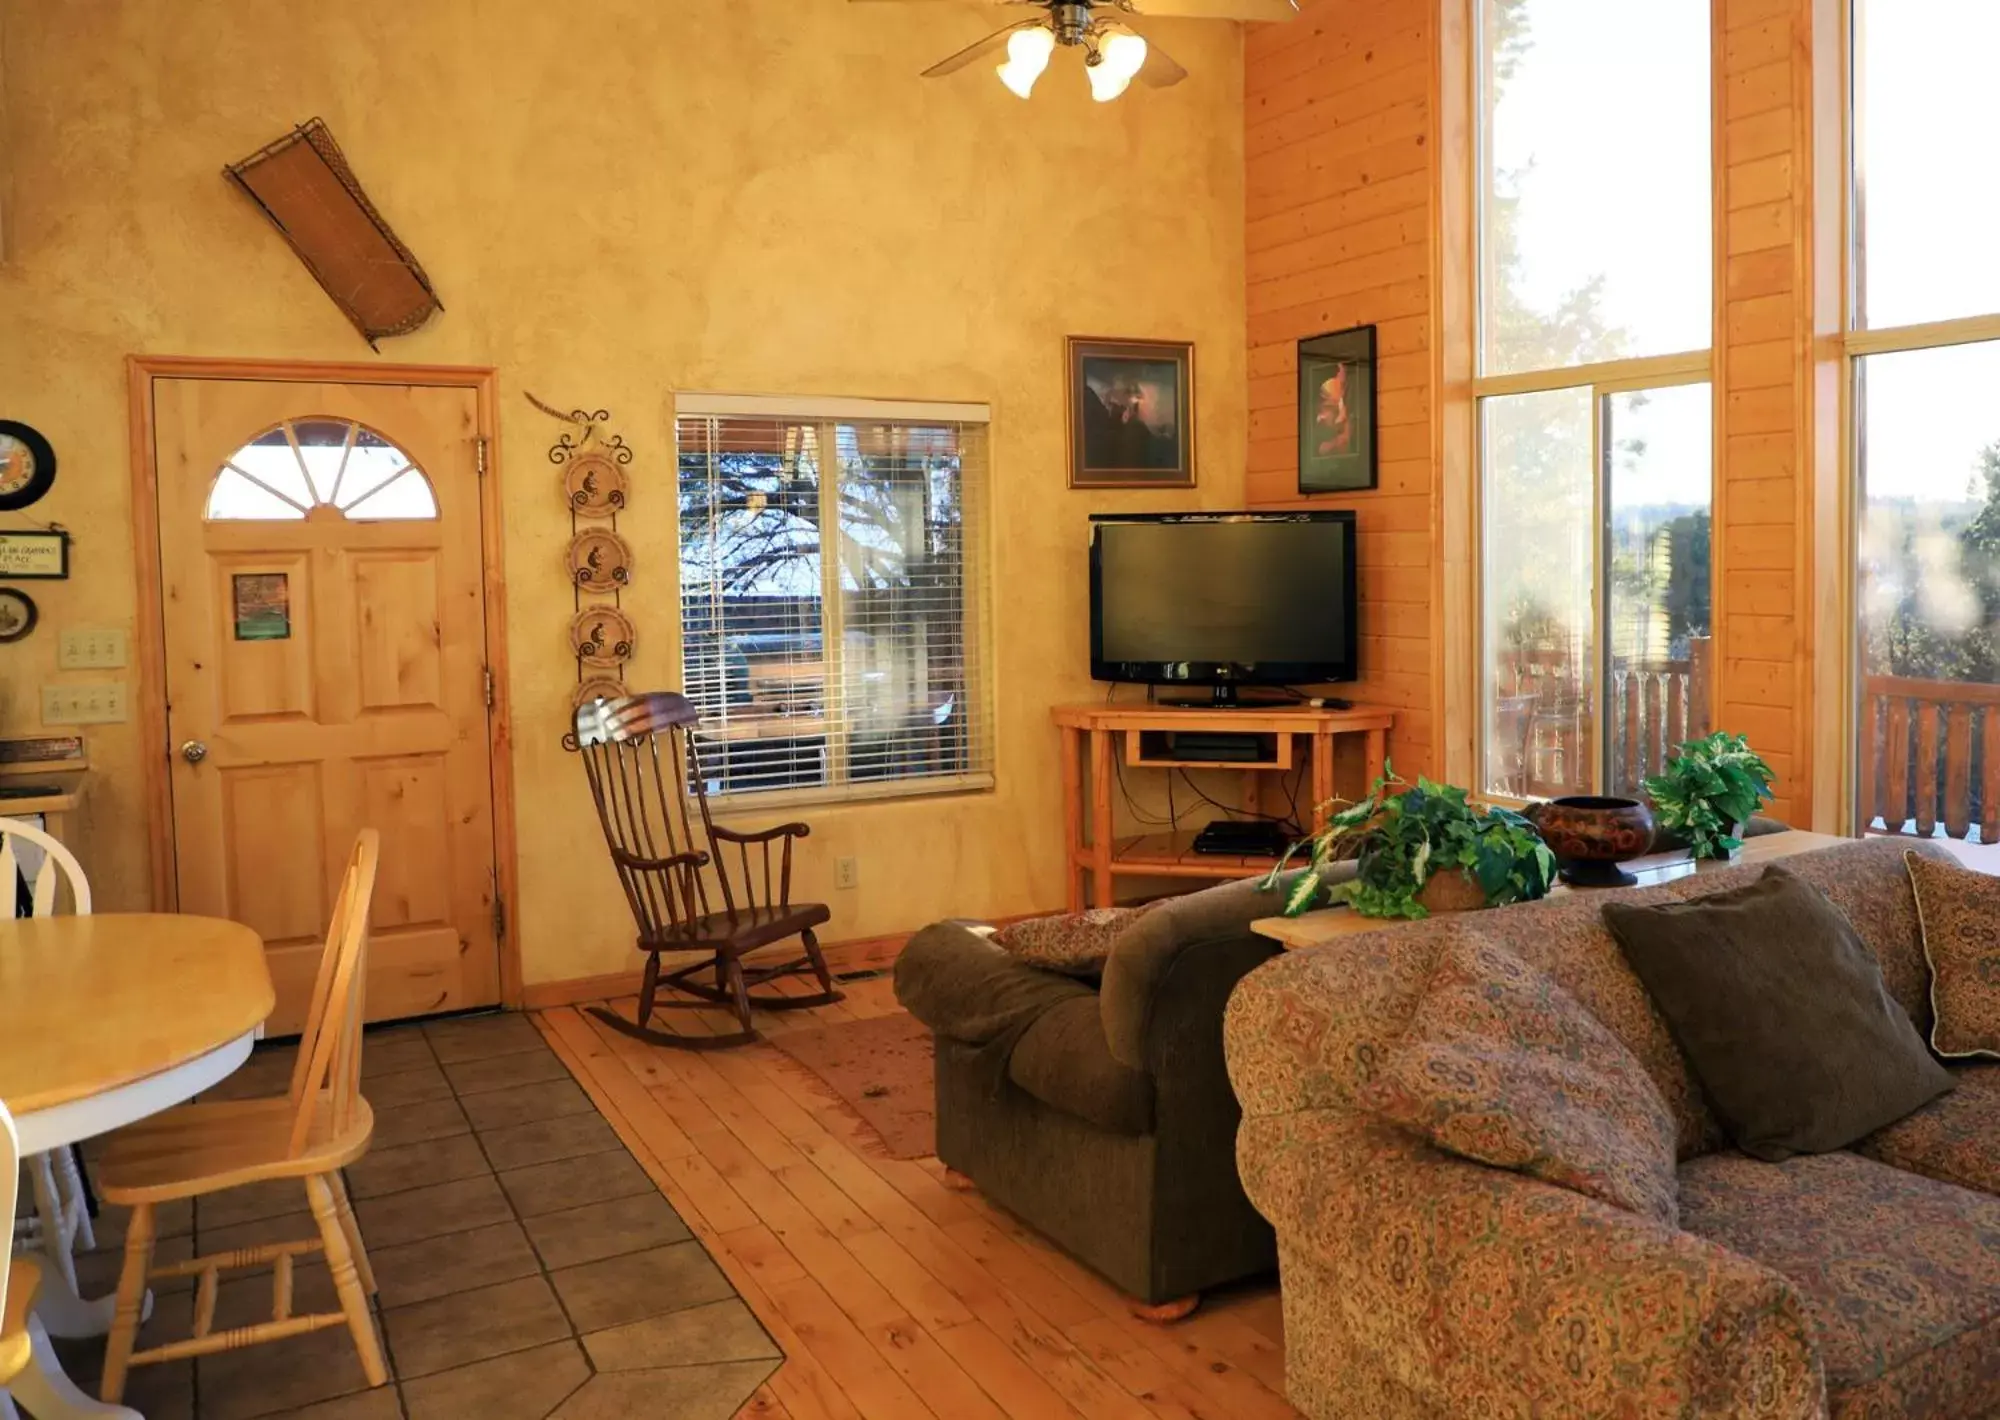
(859, 954)
(855, 954)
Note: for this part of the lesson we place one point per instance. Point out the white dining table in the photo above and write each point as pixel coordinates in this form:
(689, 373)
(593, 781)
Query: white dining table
(106, 1019)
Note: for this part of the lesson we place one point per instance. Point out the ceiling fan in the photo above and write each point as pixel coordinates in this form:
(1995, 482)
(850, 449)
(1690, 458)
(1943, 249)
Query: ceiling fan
(1113, 52)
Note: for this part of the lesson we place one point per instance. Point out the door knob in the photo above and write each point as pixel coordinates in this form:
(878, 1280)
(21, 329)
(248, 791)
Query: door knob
(194, 751)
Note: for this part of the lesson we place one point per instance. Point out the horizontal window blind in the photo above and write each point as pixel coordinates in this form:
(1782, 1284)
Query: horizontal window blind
(833, 596)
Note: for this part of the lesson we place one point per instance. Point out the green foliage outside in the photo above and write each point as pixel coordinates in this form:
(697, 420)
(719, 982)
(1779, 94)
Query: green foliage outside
(1405, 839)
(1912, 548)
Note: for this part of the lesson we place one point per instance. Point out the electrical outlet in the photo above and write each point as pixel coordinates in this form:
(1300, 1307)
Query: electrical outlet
(84, 703)
(91, 649)
(846, 872)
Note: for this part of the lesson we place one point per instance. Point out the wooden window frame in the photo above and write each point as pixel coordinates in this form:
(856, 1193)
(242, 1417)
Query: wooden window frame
(825, 416)
(1841, 344)
(1459, 315)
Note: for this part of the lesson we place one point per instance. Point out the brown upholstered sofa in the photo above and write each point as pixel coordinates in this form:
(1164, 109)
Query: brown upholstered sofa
(1862, 1283)
(1103, 1117)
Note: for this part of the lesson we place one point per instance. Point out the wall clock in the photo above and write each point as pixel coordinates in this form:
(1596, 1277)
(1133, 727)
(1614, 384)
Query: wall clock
(27, 465)
(17, 614)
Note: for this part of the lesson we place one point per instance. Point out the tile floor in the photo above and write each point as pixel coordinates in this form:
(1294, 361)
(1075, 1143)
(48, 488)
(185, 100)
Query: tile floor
(528, 1268)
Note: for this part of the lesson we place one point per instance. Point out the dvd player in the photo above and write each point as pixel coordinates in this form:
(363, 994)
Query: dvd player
(1255, 838)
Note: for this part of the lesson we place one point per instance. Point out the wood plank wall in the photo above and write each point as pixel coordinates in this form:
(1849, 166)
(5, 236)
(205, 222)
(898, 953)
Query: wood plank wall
(1339, 185)
(1341, 152)
(1763, 563)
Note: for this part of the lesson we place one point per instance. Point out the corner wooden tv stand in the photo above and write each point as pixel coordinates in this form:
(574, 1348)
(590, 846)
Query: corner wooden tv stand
(1091, 849)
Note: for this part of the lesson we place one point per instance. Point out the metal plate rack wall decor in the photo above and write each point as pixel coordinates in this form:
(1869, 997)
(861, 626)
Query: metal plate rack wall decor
(594, 488)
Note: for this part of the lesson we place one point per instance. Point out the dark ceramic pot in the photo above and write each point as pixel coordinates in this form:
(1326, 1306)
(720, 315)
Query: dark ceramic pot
(1592, 836)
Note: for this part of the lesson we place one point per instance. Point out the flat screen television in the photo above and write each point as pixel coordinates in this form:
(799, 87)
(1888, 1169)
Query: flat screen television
(1221, 600)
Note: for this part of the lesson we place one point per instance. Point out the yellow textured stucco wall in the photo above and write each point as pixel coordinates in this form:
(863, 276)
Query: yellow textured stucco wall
(617, 199)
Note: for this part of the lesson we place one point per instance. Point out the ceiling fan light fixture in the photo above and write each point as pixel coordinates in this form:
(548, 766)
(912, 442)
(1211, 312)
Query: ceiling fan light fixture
(1028, 52)
(1120, 55)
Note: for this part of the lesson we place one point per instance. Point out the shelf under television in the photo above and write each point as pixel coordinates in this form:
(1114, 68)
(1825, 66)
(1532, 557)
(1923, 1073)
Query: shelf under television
(1172, 855)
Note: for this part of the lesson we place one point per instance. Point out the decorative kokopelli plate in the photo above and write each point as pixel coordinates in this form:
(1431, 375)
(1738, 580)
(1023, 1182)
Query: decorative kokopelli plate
(600, 687)
(602, 636)
(600, 560)
(595, 484)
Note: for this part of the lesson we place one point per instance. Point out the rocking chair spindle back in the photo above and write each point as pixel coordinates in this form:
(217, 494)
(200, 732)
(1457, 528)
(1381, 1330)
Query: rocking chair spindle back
(639, 754)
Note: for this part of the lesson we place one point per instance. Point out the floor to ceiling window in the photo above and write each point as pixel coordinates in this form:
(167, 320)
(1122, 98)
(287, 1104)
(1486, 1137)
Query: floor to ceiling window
(1925, 342)
(1595, 428)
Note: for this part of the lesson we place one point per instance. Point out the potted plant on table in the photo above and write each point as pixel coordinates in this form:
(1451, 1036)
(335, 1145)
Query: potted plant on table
(1421, 849)
(1710, 789)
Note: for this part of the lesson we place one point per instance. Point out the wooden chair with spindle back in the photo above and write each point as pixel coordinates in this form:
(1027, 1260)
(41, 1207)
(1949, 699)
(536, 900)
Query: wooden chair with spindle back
(19, 1277)
(640, 756)
(60, 1222)
(318, 1127)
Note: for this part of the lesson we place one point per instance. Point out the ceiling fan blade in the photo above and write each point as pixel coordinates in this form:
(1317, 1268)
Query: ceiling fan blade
(1161, 70)
(1258, 10)
(977, 51)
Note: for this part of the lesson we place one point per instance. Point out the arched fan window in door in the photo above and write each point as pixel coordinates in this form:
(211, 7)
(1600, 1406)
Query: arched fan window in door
(304, 464)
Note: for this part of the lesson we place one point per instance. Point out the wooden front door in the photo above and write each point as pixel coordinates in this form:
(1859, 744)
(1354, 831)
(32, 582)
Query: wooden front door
(324, 618)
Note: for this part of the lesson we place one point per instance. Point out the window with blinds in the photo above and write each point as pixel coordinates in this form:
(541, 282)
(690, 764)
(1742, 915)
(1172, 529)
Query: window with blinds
(833, 595)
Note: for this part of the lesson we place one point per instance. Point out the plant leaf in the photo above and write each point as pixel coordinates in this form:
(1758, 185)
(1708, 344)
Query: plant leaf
(1302, 894)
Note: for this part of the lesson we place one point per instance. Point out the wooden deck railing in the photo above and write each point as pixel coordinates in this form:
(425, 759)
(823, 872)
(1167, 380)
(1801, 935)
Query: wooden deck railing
(1930, 755)
(1650, 708)
(1930, 749)
(1655, 707)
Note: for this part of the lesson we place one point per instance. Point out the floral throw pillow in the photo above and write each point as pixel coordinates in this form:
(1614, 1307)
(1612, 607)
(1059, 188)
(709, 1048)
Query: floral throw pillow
(1502, 1066)
(1074, 943)
(1960, 913)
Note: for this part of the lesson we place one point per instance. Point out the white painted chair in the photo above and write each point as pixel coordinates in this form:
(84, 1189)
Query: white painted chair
(61, 1217)
(15, 1347)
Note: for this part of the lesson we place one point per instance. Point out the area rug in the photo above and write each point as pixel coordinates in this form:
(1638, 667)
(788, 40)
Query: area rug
(881, 1069)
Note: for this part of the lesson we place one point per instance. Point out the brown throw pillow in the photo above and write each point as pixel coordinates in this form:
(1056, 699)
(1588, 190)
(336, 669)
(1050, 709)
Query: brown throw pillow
(1502, 1066)
(1074, 943)
(1780, 1009)
(1960, 913)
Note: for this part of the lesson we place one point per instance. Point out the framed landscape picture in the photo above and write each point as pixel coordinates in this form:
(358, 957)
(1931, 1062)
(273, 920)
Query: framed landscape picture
(1131, 413)
(1337, 411)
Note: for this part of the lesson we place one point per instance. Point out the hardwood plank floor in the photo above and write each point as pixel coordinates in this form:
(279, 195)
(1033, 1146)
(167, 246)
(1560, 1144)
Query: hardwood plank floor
(894, 1297)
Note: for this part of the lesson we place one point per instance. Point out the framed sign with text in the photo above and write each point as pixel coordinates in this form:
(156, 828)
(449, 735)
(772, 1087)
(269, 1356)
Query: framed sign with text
(40, 555)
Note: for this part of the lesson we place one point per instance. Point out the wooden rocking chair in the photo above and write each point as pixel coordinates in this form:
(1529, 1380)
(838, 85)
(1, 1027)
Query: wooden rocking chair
(640, 755)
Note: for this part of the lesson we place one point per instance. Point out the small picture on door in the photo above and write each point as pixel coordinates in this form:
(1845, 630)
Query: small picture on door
(263, 606)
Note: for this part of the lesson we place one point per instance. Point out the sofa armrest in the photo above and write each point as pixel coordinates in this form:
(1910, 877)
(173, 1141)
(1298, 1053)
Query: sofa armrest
(1470, 1290)
(962, 986)
(1305, 1028)
(1152, 949)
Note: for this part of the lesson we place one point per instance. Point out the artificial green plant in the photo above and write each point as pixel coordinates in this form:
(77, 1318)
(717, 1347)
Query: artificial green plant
(1404, 839)
(1708, 788)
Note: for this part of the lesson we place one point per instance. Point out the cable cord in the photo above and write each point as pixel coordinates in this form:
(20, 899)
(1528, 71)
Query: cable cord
(1139, 815)
(1290, 823)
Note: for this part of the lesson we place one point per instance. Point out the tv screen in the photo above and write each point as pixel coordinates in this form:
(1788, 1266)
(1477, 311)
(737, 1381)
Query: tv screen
(1220, 599)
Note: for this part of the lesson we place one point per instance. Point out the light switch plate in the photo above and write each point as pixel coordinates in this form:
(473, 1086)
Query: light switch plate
(84, 703)
(91, 649)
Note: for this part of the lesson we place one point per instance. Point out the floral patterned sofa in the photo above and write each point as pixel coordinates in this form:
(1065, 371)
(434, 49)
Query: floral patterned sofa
(1855, 1284)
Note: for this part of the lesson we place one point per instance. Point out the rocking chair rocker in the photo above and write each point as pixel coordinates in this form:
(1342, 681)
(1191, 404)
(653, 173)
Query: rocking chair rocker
(640, 755)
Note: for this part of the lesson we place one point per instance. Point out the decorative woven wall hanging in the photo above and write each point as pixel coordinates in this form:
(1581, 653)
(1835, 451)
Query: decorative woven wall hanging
(594, 488)
(305, 187)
